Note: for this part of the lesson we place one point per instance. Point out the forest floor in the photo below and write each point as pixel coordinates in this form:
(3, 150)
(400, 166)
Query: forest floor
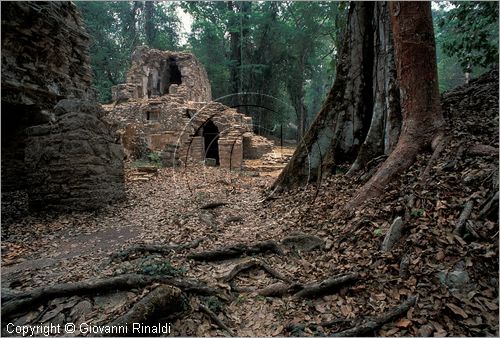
(453, 277)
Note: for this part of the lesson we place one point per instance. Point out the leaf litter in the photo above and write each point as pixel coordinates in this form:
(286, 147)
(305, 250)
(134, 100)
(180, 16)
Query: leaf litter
(455, 277)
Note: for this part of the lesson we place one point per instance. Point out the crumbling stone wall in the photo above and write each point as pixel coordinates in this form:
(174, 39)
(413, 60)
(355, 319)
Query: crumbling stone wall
(156, 73)
(255, 146)
(44, 54)
(155, 111)
(74, 163)
(171, 126)
(62, 156)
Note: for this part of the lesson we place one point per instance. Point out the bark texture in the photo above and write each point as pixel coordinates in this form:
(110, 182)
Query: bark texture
(423, 121)
(360, 118)
(385, 124)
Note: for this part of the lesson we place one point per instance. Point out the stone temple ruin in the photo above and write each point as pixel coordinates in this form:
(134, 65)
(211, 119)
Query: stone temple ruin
(56, 147)
(166, 107)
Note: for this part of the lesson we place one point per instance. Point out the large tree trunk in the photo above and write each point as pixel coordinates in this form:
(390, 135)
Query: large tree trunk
(423, 121)
(297, 93)
(363, 101)
(385, 125)
(235, 50)
(149, 23)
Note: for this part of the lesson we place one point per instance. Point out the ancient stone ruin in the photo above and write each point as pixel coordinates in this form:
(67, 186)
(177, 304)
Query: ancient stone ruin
(166, 107)
(55, 144)
(155, 73)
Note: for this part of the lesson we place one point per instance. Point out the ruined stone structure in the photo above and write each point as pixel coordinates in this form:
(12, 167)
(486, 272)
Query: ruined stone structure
(155, 73)
(166, 107)
(65, 157)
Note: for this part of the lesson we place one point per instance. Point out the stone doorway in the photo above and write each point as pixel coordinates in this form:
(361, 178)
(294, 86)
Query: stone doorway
(211, 140)
(170, 74)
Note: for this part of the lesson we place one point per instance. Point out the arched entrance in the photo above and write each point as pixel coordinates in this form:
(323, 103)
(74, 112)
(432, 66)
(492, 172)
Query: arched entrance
(211, 139)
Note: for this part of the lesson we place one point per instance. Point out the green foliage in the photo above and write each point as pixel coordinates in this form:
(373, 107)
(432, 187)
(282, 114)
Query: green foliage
(283, 50)
(417, 212)
(241, 299)
(468, 30)
(154, 158)
(153, 267)
(213, 303)
(116, 28)
(298, 331)
(378, 232)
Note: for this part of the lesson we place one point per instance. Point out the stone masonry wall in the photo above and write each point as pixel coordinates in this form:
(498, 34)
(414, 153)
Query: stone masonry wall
(156, 73)
(166, 107)
(75, 162)
(64, 158)
(44, 54)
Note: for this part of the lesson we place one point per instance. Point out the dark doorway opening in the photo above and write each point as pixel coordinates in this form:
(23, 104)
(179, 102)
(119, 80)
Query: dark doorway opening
(175, 73)
(170, 74)
(15, 119)
(211, 138)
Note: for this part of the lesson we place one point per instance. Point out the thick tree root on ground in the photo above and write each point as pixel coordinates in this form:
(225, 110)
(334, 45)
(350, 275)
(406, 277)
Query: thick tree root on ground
(161, 249)
(464, 216)
(424, 176)
(483, 150)
(302, 327)
(311, 290)
(216, 319)
(164, 300)
(280, 290)
(326, 286)
(24, 300)
(236, 250)
(212, 205)
(451, 165)
(254, 264)
(490, 207)
(373, 324)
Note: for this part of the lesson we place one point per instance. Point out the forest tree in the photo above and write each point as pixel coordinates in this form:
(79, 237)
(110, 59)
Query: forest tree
(360, 119)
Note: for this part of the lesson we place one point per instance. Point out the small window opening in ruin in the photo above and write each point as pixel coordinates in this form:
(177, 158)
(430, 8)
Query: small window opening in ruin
(211, 138)
(152, 116)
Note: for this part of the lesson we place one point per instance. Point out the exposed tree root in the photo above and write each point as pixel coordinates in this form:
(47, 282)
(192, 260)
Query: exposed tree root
(216, 319)
(464, 216)
(490, 208)
(450, 165)
(8, 295)
(254, 264)
(212, 205)
(410, 202)
(483, 150)
(424, 176)
(326, 286)
(161, 249)
(24, 300)
(280, 290)
(311, 290)
(237, 250)
(373, 324)
(164, 300)
(301, 327)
